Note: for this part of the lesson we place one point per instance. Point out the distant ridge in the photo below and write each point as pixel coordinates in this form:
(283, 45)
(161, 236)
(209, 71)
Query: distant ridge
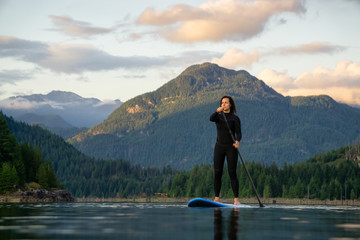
(46, 120)
(170, 126)
(72, 108)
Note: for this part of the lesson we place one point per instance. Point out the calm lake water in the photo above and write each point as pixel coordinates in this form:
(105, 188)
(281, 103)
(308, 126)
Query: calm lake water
(176, 221)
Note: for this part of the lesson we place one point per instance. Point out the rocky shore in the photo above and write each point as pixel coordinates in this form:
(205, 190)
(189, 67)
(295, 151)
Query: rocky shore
(38, 195)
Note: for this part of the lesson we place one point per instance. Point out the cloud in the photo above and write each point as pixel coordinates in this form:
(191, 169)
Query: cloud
(346, 73)
(26, 50)
(234, 58)
(280, 81)
(108, 102)
(342, 83)
(72, 58)
(74, 28)
(24, 103)
(19, 103)
(13, 76)
(134, 76)
(310, 48)
(216, 21)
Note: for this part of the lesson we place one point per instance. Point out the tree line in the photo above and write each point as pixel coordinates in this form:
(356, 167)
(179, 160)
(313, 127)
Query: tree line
(331, 175)
(21, 164)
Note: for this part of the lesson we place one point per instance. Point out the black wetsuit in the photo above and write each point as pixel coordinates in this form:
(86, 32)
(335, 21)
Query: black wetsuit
(224, 147)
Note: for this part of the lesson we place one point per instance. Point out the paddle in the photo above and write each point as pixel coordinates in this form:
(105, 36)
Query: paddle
(243, 163)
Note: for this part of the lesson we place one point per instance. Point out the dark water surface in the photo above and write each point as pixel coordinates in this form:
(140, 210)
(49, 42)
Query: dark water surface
(175, 221)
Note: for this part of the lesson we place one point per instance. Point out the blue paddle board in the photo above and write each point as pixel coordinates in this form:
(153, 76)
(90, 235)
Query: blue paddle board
(205, 203)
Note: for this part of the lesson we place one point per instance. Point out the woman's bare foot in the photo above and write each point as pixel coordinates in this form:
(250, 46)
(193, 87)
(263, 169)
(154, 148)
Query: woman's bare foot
(217, 199)
(236, 201)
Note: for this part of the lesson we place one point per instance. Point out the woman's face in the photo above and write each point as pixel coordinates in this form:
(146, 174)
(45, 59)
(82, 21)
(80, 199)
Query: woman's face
(225, 104)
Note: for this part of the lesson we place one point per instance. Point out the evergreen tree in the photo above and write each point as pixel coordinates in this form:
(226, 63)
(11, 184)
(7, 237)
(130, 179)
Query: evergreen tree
(51, 176)
(9, 151)
(8, 177)
(27, 154)
(267, 189)
(352, 194)
(20, 169)
(42, 176)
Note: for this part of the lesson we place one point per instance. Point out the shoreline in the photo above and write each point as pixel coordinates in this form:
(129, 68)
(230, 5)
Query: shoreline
(11, 198)
(40, 195)
(268, 201)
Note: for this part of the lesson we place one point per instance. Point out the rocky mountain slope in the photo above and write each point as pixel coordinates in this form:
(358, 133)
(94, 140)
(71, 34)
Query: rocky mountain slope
(170, 126)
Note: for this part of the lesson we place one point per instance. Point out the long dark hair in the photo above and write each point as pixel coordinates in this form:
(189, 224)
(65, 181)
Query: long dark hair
(232, 103)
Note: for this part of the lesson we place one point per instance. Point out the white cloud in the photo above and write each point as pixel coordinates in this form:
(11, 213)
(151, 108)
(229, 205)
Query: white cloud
(13, 76)
(277, 80)
(19, 103)
(107, 102)
(346, 73)
(310, 48)
(234, 58)
(216, 21)
(342, 83)
(72, 58)
(75, 28)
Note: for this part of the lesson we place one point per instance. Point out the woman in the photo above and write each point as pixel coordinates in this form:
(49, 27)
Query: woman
(225, 146)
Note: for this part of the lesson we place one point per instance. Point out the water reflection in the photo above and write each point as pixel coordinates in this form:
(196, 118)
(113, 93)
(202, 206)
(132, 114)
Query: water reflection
(232, 228)
(175, 221)
(16, 219)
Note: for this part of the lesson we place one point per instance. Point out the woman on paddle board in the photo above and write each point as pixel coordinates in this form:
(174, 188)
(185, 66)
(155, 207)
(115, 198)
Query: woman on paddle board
(225, 147)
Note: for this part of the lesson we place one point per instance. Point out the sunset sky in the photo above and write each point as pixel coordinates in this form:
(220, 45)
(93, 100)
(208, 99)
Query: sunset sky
(112, 49)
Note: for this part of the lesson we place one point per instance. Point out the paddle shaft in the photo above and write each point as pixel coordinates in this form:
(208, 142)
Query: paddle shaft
(243, 163)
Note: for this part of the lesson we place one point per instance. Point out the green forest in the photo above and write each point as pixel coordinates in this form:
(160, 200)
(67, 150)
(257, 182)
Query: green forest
(78, 173)
(330, 175)
(21, 164)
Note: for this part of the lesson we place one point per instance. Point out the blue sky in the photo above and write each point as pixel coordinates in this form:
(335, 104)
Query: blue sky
(118, 49)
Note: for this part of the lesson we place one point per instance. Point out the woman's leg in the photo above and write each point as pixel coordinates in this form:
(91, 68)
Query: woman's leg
(232, 160)
(219, 158)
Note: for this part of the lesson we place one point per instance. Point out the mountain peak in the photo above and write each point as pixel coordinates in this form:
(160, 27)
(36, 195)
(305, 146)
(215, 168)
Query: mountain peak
(207, 77)
(170, 126)
(57, 95)
(209, 69)
(197, 85)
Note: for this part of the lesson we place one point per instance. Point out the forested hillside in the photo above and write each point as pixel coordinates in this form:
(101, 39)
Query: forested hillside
(331, 175)
(170, 126)
(86, 176)
(21, 164)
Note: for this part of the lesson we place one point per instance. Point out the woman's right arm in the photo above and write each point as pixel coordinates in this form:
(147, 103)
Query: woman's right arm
(214, 117)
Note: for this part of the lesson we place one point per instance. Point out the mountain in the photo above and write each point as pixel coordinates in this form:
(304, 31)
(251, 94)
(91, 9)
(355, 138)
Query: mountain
(72, 108)
(47, 120)
(171, 126)
(53, 123)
